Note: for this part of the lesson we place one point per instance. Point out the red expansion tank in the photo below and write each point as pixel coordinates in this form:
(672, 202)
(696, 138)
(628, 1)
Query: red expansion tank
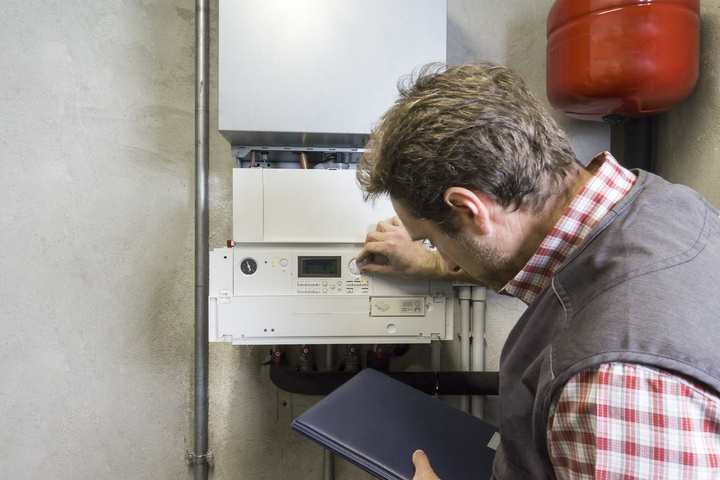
(621, 57)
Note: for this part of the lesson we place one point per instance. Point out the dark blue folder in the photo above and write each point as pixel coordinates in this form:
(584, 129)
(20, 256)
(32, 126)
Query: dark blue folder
(377, 422)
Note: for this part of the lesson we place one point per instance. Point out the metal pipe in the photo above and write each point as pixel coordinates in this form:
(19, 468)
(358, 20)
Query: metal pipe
(303, 161)
(328, 456)
(464, 295)
(479, 295)
(202, 155)
(435, 355)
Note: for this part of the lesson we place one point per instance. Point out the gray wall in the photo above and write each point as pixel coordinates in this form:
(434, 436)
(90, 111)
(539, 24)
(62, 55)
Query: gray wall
(688, 149)
(96, 228)
(96, 224)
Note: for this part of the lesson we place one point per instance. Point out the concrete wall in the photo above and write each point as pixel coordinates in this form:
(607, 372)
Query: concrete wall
(96, 224)
(688, 147)
(512, 33)
(96, 228)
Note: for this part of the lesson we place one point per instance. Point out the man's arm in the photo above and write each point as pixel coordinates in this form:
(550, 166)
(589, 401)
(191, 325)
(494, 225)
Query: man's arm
(631, 421)
(390, 250)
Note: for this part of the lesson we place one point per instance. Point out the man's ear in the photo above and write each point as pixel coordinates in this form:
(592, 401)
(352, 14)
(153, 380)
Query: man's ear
(472, 208)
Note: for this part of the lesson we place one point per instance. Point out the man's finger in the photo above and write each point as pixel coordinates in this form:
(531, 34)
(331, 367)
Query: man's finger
(420, 459)
(423, 470)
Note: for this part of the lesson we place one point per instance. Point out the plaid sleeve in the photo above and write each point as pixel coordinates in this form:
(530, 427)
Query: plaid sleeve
(625, 421)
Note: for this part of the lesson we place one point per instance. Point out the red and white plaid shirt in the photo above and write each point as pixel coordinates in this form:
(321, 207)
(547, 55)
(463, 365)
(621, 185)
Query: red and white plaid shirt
(619, 421)
(609, 184)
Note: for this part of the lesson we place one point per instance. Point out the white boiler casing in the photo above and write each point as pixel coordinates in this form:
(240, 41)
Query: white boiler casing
(314, 77)
(319, 73)
(280, 284)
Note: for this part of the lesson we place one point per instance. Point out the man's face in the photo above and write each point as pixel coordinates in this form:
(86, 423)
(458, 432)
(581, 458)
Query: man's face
(474, 254)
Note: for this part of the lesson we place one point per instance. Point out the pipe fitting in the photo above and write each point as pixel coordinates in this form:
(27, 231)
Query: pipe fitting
(479, 294)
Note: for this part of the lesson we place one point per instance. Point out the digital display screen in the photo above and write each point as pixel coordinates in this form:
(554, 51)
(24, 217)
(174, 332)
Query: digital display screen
(319, 267)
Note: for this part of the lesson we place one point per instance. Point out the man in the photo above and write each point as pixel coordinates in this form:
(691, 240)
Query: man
(613, 371)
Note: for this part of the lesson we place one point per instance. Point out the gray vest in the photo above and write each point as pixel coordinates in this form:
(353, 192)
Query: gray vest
(643, 288)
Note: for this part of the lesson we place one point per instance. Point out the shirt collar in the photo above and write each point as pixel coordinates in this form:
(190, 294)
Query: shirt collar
(609, 184)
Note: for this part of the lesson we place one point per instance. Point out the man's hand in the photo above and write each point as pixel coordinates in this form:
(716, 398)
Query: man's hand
(390, 250)
(423, 471)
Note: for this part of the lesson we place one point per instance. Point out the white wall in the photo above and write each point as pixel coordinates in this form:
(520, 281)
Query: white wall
(96, 224)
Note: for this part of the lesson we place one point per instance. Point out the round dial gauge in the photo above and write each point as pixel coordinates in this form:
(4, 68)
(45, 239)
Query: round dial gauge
(248, 266)
(354, 269)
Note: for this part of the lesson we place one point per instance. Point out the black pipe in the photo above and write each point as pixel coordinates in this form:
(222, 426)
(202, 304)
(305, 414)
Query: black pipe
(468, 383)
(441, 383)
(632, 141)
(638, 143)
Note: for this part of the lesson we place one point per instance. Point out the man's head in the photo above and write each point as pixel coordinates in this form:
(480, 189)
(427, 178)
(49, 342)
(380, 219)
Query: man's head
(476, 127)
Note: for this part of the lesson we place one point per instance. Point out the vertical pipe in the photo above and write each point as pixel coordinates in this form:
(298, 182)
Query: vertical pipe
(638, 148)
(303, 161)
(632, 142)
(202, 154)
(328, 456)
(464, 295)
(479, 295)
(435, 355)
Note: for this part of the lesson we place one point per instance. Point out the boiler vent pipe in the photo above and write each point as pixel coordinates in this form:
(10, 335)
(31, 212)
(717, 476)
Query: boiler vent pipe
(202, 154)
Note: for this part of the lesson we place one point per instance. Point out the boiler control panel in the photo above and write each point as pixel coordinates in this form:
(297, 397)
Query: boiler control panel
(314, 293)
(262, 269)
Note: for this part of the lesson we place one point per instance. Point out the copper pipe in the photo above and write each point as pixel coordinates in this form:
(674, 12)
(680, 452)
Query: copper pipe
(303, 161)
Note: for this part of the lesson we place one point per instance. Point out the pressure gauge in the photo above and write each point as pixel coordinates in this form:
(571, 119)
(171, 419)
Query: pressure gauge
(248, 266)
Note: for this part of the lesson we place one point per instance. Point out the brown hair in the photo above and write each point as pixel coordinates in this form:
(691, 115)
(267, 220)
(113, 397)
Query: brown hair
(475, 126)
